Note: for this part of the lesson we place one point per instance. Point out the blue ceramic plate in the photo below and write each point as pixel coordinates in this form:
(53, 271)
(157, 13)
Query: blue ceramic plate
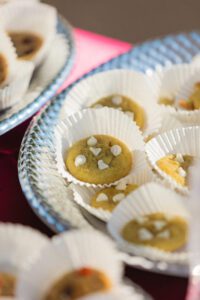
(41, 89)
(46, 191)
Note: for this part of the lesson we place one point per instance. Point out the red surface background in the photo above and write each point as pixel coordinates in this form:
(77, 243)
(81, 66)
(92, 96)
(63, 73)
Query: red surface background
(92, 50)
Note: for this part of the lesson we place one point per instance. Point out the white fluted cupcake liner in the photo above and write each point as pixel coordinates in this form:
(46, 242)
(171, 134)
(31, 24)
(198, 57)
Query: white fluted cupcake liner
(182, 140)
(89, 122)
(53, 62)
(8, 52)
(196, 60)
(132, 84)
(18, 86)
(67, 252)
(18, 77)
(83, 195)
(148, 199)
(169, 122)
(167, 82)
(38, 18)
(19, 246)
(191, 117)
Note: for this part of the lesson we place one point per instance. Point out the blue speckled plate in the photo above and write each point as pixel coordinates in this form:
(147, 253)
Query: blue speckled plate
(46, 191)
(40, 92)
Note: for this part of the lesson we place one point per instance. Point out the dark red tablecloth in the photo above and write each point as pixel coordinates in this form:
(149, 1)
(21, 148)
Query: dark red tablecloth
(13, 205)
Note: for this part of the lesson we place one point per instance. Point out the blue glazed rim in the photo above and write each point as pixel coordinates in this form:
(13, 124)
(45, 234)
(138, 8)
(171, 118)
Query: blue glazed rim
(25, 113)
(155, 54)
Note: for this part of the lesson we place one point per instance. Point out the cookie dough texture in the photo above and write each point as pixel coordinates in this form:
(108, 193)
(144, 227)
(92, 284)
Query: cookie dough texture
(78, 284)
(27, 44)
(7, 284)
(126, 105)
(157, 230)
(3, 69)
(193, 101)
(100, 165)
(114, 196)
(176, 166)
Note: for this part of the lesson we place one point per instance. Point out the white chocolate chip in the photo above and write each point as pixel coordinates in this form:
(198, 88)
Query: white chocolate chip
(95, 151)
(102, 165)
(145, 234)
(102, 197)
(159, 224)
(130, 114)
(141, 219)
(121, 186)
(80, 160)
(92, 141)
(179, 158)
(164, 234)
(98, 106)
(182, 172)
(118, 197)
(117, 100)
(116, 150)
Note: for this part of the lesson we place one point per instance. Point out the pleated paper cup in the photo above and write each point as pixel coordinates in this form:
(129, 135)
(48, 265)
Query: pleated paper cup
(89, 122)
(196, 60)
(18, 75)
(191, 117)
(167, 83)
(69, 252)
(38, 18)
(53, 62)
(182, 140)
(19, 246)
(169, 122)
(18, 85)
(148, 199)
(83, 195)
(8, 52)
(132, 84)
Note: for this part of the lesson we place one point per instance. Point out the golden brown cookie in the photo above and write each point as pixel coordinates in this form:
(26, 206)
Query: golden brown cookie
(110, 197)
(7, 284)
(99, 159)
(166, 101)
(3, 69)
(78, 284)
(128, 106)
(27, 44)
(193, 102)
(157, 230)
(177, 166)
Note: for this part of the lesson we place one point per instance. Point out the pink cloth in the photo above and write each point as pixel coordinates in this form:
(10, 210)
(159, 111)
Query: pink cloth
(93, 50)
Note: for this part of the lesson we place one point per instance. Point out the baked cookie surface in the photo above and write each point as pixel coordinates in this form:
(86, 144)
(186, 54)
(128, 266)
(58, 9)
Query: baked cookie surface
(3, 69)
(177, 166)
(126, 105)
(78, 284)
(7, 284)
(99, 159)
(109, 198)
(157, 230)
(27, 44)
